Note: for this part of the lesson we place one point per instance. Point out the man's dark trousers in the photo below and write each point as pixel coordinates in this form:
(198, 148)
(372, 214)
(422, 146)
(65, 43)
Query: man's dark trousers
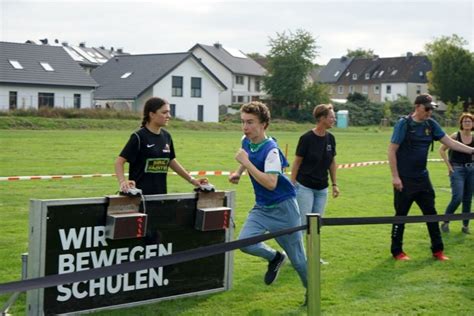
(420, 191)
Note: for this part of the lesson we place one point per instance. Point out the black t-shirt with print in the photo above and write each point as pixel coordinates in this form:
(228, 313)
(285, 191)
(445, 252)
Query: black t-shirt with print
(318, 153)
(149, 155)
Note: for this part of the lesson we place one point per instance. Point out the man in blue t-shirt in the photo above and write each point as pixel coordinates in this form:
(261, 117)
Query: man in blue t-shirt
(276, 207)
(407, 154)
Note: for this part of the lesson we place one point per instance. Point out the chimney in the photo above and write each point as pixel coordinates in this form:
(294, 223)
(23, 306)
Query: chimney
(65, 44)
(409, 55)
(111, 49)
(102, 47)
(120, 50)
(82, 44)
(343, 58)
(56, 41)
(376, 57)
(44, 41)
(217, 45)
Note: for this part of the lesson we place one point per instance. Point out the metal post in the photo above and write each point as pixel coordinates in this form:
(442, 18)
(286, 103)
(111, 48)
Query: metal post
(314, 265)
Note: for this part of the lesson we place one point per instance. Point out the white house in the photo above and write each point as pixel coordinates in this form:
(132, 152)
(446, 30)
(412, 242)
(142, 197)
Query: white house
(192, 90)
(35, 76)
(241, 74)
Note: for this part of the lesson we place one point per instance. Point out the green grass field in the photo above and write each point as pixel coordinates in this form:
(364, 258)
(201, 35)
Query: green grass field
(361, 277)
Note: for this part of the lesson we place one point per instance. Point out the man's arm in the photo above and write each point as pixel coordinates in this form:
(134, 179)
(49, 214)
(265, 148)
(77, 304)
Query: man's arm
(332, 175)
(455, 145)
(268, 180)
(295, 168)
(392, 160)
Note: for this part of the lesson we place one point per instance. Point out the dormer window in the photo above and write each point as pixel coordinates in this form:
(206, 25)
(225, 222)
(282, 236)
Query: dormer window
(15, 63)
(381, 73)
(394, 72)
(367, 76)
(337, 73)
(126, 75)
(46, 66)
(354, 76)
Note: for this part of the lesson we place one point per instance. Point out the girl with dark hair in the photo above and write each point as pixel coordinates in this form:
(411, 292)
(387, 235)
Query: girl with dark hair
(150, 152)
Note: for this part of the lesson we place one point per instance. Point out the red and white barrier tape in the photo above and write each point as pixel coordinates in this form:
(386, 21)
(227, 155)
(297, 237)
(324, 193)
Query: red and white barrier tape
(200, 173)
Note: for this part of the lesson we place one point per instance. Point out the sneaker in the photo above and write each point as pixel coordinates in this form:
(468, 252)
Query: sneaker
(445, 227)
(401, 257)
(465, 230)
(321, 261)
(439, 255)
(274, 267)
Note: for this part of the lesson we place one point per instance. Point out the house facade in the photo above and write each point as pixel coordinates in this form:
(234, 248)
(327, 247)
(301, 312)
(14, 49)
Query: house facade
(242, 75)
(35, 76)
(379, 79)
(192, 90)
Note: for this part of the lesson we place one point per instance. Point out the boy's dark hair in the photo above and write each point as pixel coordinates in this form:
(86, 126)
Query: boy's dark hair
(259, 109)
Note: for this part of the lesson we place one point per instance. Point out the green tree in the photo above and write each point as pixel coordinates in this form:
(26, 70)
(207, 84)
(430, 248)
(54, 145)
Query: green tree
(290, 61)
(360, 52)
(255, 55)
(452, 74)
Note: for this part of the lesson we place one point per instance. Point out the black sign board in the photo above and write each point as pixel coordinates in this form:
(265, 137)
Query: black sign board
(74, 240)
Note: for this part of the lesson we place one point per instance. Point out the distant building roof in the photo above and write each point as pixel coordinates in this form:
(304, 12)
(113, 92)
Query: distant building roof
(235, 61)
(33, 66)
(126, 77)
(334, 69)
(407, 68)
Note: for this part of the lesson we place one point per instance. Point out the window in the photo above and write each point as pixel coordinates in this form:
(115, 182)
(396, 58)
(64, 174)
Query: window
(367, 76)
(394, 72)
(45, 99)
(173, 110)
(240, 99)
(177, 86)
(351, 89)
(348, 73)
(126, 75)
(16, 64)
(200, 113)
(337, 73)
(239, 79)
(389, 89)
(77, 101)
(381, 73)
(257, 85)
(418, 89)
(365, 89)
(354, 76)
(421, 74)
(340, 89)
(376, 89)
(13, 100)
(195, 87)
(46, 66)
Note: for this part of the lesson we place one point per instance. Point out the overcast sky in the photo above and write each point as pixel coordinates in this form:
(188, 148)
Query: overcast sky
(390, 28)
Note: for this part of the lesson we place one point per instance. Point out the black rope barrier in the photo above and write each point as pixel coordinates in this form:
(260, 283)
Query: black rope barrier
(202, 252)
(393, 219)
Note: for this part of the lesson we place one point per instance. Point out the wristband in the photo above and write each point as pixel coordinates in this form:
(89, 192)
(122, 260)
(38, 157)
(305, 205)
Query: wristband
(334, 185)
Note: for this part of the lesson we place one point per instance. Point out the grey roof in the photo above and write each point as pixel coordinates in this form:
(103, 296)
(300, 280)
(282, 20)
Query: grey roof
(241, 66)
(334, 69)
(66, 71)
(146, 71)
(391, 69)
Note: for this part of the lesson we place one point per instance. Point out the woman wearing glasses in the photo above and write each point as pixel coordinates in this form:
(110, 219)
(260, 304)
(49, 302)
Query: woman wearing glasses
(461, 172)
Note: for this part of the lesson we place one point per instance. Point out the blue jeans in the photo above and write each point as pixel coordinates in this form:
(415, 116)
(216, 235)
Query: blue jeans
(462, 185)
(263, 219)
(310, 200)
